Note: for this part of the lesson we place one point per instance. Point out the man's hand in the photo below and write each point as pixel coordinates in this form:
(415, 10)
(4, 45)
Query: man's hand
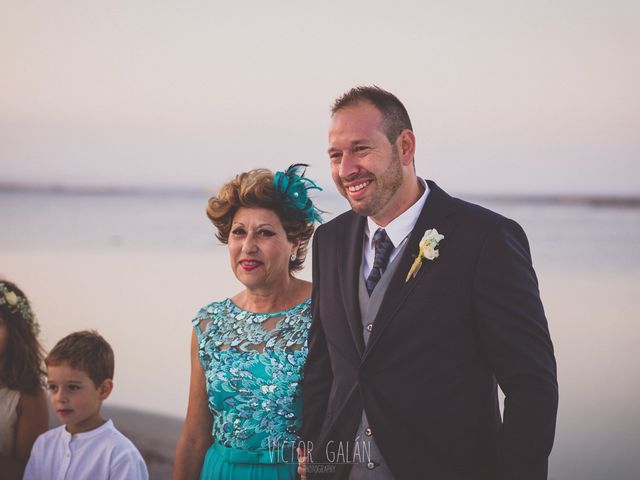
(302, 464)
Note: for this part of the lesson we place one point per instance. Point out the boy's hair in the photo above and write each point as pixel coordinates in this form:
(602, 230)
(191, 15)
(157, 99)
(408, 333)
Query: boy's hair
(86, 351)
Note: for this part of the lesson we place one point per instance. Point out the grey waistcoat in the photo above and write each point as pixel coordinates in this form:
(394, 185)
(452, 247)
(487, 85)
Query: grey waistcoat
(370, 455)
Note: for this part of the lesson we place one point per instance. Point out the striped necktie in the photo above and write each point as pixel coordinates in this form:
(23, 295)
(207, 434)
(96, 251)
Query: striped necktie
(383, 247)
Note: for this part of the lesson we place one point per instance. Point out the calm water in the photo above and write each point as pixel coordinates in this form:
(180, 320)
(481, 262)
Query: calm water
(137, 267)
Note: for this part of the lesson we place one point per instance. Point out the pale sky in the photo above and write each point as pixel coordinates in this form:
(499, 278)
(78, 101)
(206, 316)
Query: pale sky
(505, 96)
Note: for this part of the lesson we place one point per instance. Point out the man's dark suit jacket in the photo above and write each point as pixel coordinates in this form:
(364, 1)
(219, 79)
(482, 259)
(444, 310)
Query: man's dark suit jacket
(427, 379)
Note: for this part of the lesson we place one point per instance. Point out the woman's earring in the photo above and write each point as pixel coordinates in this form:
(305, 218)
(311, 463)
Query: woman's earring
(293, 257)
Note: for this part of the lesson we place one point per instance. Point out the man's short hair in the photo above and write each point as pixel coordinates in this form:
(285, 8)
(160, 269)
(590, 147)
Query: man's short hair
(86, 351)
(394, 116)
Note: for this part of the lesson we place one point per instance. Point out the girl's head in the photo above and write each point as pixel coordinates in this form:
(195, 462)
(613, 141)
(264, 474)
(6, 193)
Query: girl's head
(20, 352)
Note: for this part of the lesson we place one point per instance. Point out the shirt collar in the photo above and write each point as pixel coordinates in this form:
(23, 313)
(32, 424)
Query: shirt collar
(401, 226)
(108, 425)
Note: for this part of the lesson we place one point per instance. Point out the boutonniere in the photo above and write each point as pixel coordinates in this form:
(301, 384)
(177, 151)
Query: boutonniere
(428, 250)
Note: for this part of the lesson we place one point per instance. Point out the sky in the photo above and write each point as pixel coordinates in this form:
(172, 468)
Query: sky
(506, 97)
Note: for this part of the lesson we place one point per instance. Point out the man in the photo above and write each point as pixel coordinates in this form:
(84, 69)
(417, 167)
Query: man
(410, 339)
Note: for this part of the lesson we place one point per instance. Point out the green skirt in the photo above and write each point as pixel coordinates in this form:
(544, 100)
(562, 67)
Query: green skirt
(225, 463)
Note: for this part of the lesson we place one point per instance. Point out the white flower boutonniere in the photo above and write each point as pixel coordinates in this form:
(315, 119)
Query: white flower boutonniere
(428, 250)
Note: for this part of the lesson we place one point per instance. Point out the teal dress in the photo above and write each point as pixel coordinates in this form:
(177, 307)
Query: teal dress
(253, 379)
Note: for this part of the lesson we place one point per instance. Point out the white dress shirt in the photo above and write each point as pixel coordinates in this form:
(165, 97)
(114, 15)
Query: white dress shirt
(398, 230)
(99, 454)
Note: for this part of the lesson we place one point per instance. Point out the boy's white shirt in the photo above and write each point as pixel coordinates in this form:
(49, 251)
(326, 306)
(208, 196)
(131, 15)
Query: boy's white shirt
(101, 453)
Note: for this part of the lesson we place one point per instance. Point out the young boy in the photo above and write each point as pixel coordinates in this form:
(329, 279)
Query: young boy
(80, 377)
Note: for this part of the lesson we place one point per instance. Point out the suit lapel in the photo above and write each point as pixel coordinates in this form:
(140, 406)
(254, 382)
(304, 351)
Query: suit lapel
(350, 257)
(433, 215)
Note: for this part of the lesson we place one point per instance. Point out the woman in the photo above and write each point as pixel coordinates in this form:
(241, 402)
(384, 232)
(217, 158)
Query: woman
(247, 352)
(23, 403)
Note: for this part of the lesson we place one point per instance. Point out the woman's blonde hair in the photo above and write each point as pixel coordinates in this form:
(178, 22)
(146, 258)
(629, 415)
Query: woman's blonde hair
(255, 189)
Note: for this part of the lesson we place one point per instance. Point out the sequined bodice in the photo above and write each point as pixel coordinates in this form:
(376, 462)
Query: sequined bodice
(253, 374)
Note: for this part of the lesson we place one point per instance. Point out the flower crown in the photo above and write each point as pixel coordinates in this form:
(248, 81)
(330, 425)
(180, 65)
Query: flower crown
(293, 186)
(18, 304)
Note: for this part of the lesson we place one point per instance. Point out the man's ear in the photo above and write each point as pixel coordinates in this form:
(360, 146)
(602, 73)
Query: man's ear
(104, 390)
(406, 145)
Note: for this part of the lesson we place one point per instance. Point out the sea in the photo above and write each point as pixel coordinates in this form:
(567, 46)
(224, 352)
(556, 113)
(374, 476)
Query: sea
(136, 266)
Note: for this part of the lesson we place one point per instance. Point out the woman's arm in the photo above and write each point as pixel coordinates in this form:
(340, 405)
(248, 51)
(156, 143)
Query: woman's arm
(33, 419)
(195, 438)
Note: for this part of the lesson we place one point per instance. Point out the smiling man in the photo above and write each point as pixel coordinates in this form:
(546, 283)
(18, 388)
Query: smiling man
(422, 305)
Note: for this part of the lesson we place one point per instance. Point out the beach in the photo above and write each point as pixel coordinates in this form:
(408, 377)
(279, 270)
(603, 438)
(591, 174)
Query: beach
(155, 436)
(137, 268)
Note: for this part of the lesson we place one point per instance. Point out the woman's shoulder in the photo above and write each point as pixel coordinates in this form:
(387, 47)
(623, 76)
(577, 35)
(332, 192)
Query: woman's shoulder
(30, 403)
(301, 293)
(210, 315)
(36, 399)
(35, 408)
(304, 301)
(213, 308)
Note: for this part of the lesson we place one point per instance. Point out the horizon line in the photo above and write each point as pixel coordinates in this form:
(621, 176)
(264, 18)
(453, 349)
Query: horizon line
(621, 200)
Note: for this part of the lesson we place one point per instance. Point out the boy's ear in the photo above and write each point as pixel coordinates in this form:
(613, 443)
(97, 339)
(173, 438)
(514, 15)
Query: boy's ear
(104, 390)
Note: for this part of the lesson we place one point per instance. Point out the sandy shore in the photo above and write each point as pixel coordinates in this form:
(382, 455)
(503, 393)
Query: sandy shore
(153, 434)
